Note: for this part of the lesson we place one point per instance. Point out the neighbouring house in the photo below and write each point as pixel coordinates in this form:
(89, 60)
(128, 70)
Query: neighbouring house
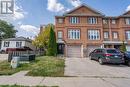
(42, 28)
(16, 43)
(83, 29)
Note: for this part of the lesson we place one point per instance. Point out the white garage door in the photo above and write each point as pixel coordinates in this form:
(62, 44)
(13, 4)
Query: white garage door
(91, 48)
(128, 48)
(74, 51)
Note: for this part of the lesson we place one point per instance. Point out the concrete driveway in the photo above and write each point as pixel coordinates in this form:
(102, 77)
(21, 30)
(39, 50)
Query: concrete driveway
(110, 75)
(89, 68)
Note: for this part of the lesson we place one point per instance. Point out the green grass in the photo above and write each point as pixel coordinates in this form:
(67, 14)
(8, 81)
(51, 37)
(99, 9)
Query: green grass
(23, 86)
(42, 66)
(5, 68)
(48, 66)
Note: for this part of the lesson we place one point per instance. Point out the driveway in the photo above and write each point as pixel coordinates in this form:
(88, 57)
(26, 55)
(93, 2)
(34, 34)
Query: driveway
(84, 67)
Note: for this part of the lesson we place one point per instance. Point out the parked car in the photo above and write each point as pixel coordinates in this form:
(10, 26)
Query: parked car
(107, 55)
(127, 58)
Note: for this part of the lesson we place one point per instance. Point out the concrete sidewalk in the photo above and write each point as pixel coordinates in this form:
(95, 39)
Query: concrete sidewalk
(21, 79)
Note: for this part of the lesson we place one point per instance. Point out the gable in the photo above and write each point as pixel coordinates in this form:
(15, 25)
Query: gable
(83, 9)
(127, 13)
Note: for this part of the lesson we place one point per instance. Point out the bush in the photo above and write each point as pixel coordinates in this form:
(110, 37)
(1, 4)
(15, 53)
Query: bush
(52, 46)
(123, 47)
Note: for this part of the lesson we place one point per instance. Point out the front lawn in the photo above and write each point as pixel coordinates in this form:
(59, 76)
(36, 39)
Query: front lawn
(23, 86)
(42, 66)
(48, 66)
(5, 68)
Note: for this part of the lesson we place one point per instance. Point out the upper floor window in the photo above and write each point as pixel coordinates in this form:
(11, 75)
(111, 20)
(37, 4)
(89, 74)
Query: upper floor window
(128, 35)
(60, 35)
(92, 20)
(74, 20)
(93, 35)
(18, 44)
(105, 21)
(127, 21)
(74, 34)
(6, 44)
(60, 20)
(106, 35)
(115, 35)
(113, 21)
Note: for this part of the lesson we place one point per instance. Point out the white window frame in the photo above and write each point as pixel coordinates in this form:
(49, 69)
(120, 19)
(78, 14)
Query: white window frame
(19, 44)
(128, 35)
(92, 20)
(60, 35)
(105, 21)
(74, 34)
(60, 20)
(127, 21)
(106, 34)
(113, 21)
(93, 34)
(6, 44)
(74, 20)
(115, 35)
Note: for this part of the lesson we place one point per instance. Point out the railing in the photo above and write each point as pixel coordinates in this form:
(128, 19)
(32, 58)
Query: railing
(19, 53)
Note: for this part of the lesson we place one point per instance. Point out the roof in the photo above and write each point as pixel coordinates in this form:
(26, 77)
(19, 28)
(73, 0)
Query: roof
(18, 39)
(126, 12)
(96, 11)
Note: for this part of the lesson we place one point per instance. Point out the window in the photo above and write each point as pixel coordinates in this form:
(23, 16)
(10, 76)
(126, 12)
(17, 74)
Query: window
(6, 44)
(128, 35)
(18, 44)
(92, 20)
(60, 35)
(105, 21)
(93, 34)
(113, 51)
(113, 21)
(106, 35)
(115, 35)
(60, 20)
(127, 21)
(74, 20)
(74, 34)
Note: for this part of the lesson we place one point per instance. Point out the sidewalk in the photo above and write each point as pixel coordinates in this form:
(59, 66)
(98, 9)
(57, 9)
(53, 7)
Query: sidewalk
(20, 79)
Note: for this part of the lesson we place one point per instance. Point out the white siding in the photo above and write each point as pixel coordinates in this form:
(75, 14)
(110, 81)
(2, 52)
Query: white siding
(13, 45)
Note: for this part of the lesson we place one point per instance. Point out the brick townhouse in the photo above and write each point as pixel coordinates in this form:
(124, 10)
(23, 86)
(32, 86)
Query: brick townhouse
(83, 29)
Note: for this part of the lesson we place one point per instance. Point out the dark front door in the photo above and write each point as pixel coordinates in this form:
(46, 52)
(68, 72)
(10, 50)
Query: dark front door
(60, 48)
(117, 46)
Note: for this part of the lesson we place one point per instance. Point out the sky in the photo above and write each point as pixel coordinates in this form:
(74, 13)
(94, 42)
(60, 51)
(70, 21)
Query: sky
(30, 14)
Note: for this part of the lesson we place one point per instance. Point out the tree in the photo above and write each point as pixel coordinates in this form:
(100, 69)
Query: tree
(123, 47)
(41, 41)
(52, 46)
(6, 30)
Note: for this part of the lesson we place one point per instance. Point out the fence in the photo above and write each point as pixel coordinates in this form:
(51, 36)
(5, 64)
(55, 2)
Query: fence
(23, 54)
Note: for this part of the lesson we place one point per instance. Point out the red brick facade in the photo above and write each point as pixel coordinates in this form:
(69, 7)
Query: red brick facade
(82, 13)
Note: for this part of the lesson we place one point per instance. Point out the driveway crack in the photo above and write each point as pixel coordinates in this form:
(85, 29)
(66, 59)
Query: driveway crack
(42, 80)
(109, 82)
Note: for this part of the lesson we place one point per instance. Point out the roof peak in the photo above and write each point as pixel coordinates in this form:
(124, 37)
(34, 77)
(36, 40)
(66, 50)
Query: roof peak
(85, 5)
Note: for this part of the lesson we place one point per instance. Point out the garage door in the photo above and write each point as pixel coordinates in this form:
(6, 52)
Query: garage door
(91, 48)
(74, 51)
(128, 48)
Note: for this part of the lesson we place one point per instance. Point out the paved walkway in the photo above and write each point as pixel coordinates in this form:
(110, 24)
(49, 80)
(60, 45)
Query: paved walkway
(20, 79)
(88, 74)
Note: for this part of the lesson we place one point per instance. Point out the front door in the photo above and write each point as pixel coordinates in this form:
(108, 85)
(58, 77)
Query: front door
(60, 48)
(117, 46)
